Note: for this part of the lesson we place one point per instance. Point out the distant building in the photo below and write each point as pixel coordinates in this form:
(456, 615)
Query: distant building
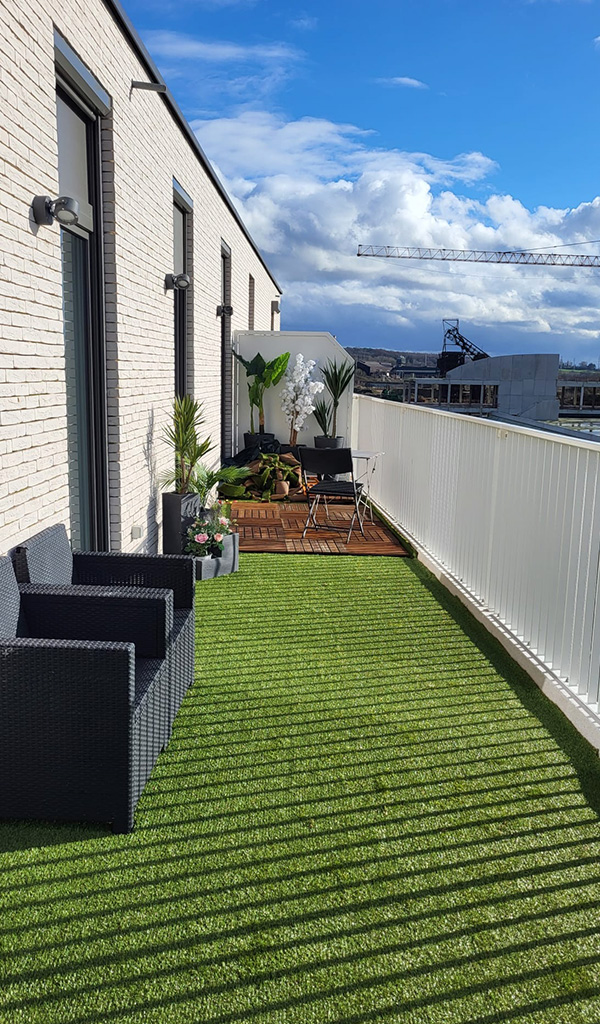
(372, 369)
(519, 386)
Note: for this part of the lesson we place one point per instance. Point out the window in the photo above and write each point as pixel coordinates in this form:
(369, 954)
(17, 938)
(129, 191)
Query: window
(180, 299)
(83, 319)
(226, 356)
(182, 223)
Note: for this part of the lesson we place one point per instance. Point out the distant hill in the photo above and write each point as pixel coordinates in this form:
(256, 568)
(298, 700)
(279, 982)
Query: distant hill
(390, 357)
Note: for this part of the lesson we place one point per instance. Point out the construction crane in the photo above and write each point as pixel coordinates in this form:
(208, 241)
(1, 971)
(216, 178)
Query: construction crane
(448, 360)
(535, 259)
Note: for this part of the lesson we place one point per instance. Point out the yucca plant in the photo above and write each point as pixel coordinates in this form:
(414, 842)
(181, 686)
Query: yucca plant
(337, 377)
(322, 414)
(182, 437)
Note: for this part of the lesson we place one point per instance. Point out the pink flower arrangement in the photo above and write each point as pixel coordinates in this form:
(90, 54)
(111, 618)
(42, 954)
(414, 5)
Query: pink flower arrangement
(207, 534)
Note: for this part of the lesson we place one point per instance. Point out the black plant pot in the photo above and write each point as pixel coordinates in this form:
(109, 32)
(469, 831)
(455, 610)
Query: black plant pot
(329, 442)
(179, 512)
(258, 438)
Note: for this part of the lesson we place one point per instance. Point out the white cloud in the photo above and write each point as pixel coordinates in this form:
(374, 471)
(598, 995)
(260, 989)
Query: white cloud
(212, 73)
(178, 46)
(407, 83)
(311, 190)
(304, 23)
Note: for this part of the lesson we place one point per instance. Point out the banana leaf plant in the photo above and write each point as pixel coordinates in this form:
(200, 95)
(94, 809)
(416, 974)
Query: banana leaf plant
(261, 375)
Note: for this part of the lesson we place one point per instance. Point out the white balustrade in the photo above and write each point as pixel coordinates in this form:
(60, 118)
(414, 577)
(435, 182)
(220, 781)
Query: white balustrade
(511, 512)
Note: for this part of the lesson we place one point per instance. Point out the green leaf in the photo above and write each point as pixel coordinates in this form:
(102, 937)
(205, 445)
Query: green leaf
(322, 413)
(254, 367)
(337, 377)
(255, 391)
(275, 369)
(232, 490)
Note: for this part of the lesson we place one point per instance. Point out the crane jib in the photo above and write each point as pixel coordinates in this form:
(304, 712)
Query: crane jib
(544, 259)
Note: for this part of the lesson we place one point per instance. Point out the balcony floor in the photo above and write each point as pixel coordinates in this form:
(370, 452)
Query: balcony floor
(277, 527)
(366, 814)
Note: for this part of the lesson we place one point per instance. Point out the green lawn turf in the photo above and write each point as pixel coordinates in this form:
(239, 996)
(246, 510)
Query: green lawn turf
(366, 813)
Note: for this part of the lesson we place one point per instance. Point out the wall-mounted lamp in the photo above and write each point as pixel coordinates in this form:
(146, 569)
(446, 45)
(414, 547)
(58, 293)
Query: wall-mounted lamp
(224, 310)
(178, 281)
(149, 86)
(64, 209)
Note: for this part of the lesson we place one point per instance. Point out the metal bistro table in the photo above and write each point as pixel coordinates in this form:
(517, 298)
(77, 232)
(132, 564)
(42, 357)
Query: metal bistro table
(365, 473)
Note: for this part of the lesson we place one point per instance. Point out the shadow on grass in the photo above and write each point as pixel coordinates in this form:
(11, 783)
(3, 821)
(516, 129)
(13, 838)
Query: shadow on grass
(581, 754)
(32, 835)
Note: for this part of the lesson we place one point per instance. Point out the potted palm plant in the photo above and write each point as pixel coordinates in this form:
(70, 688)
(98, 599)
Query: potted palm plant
(261, 375)
(337, 377)
(228, 480)
(181, 503)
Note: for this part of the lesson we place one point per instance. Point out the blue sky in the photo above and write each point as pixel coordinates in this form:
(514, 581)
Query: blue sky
(440, 122)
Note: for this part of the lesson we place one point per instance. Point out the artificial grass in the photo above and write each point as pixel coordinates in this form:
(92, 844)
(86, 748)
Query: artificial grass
(366, 813)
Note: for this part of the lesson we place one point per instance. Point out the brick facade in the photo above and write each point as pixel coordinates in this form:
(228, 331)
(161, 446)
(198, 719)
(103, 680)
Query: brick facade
(143, 148)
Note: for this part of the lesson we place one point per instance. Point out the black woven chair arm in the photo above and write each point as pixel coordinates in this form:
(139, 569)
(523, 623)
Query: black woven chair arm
(125, 614)
(114, 568)
(84, 672)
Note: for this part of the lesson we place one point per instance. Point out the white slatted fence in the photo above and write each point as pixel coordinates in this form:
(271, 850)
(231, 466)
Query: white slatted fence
(510, 512)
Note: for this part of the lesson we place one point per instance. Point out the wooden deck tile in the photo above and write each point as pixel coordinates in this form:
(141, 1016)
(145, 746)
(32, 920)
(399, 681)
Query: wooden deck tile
(277, 527)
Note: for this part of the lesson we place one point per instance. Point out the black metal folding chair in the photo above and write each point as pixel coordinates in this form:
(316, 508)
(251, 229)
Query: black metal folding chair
(326, 464)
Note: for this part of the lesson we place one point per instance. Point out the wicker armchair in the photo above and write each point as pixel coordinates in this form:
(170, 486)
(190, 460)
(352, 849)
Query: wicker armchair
(84, 711)
(47, 558)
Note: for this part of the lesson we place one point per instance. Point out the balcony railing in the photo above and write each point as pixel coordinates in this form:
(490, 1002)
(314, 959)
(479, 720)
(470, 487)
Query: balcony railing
(509, 512)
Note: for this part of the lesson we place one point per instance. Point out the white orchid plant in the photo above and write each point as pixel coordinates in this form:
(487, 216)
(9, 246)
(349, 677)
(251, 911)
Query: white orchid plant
(299, 393)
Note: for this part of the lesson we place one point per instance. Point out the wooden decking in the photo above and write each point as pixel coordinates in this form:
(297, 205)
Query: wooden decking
(277, 527)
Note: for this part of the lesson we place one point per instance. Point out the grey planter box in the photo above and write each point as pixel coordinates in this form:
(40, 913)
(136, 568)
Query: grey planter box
(208, 568)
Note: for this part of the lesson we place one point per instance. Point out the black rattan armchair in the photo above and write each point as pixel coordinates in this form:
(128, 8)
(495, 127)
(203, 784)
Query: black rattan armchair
(84, 709)
(47, 558)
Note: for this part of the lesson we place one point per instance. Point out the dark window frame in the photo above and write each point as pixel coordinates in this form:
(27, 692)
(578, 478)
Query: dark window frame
(182, 297)
(226, 355)
(96, 396)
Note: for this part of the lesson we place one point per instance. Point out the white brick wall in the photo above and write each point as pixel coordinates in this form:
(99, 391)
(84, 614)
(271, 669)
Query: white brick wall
(143, 148)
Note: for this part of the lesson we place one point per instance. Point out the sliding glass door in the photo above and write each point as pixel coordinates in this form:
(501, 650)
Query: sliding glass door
(76, 313)
(85, 362)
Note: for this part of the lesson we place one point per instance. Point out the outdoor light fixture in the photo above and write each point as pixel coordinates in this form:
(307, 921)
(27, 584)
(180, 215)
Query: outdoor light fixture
(64, 209)
(150, 86)
(179, 281)
(224, 310)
